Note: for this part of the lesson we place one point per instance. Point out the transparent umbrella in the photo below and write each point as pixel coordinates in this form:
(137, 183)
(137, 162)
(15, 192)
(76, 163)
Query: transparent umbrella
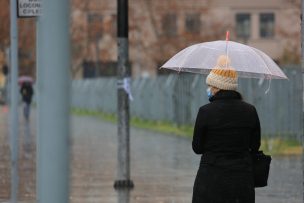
(25, 78)
(249, 62)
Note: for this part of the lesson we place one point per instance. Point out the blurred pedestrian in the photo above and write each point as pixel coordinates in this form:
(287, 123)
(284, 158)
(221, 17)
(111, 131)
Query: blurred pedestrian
(27, 92)
(226, 132)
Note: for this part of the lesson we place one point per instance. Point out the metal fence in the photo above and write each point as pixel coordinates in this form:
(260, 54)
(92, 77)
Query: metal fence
(177, 98)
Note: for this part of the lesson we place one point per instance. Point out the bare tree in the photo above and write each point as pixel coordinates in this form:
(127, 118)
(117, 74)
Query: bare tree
(27, 46)
(79, 33)
(292, 49)
(26, 38)
(4, 25)
(162, 45)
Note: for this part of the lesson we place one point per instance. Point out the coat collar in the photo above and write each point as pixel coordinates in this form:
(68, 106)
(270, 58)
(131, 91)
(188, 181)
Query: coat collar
(226, 95)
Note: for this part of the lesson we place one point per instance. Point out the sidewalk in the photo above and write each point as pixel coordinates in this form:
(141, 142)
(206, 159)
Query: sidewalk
(163, 167)
(27, 165)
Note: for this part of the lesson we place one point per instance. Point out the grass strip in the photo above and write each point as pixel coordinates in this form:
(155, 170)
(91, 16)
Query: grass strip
(270, 145)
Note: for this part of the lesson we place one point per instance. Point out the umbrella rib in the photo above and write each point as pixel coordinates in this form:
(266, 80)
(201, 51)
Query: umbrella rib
(238, 50)
(263, 57)
(252, 50)
(185, 57)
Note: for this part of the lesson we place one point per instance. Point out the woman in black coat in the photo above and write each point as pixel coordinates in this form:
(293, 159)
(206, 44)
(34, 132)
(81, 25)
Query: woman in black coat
(226, 131)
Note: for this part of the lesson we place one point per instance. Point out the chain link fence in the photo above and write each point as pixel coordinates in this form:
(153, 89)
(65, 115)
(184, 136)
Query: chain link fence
(177, 97)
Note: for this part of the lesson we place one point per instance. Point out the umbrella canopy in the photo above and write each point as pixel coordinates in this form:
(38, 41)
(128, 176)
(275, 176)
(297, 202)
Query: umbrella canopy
(24, 78)
(247, 61)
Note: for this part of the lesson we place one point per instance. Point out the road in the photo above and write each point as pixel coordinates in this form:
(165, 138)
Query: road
(163, 167)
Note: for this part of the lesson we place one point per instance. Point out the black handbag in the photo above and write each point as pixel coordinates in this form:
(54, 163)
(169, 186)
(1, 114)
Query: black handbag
(261, 166)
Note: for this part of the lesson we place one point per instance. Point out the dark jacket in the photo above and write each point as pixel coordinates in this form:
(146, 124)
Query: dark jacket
(225, 132)
(27, 92)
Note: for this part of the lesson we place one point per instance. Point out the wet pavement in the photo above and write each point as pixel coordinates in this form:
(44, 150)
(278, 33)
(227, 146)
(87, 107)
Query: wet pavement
(26, 159)
(163, 167)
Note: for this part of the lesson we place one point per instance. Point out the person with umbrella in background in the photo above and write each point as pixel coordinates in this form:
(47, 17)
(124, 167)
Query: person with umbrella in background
(27, 92)
(226, 131)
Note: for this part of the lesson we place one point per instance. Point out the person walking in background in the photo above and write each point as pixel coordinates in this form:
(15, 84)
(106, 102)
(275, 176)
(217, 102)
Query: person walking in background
(226, 132)
(27, 92)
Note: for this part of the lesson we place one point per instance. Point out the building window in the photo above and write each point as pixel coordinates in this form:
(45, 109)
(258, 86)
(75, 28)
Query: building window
(94, 26)
(169, 25)
(267, 25)
(193, 23)
(243, 24)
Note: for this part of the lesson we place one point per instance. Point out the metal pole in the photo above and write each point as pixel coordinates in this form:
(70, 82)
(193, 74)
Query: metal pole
(53, 99)
(302, 64)
(123, 196)
(123, 166)
(14, 128)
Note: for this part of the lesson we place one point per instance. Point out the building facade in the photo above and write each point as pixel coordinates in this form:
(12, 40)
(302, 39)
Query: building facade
(160, 28)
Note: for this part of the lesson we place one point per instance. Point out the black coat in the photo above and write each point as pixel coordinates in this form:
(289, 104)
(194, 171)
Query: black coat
(225, 132)
(27, 92)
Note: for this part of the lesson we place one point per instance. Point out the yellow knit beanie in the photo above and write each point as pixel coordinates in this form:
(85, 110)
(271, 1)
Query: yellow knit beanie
(222, 76)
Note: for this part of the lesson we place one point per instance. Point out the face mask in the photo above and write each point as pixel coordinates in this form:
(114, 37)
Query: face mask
(209, 93)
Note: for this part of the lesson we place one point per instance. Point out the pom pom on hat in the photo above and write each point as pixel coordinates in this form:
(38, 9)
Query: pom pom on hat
(222, 76)
(223, 61)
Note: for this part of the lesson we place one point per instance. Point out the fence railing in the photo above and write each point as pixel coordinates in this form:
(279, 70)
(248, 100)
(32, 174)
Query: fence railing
(177, 97)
